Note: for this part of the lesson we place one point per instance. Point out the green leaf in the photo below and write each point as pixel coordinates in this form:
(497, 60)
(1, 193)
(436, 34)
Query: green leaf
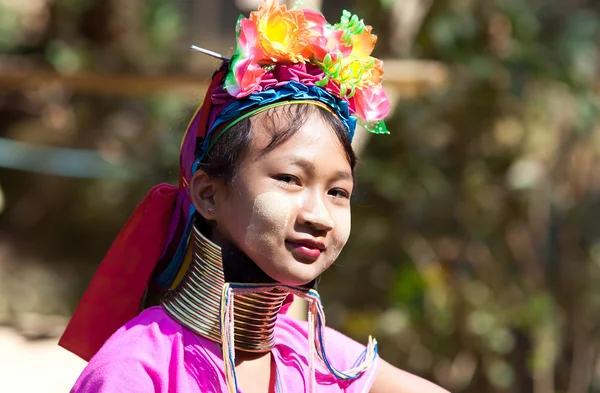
(376, 127)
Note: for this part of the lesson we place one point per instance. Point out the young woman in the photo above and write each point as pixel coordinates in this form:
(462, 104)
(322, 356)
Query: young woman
(262, 209)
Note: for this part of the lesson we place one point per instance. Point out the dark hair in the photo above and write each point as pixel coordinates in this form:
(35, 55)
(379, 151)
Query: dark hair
(222, 160)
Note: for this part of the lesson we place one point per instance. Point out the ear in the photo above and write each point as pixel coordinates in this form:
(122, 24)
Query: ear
(202, 194)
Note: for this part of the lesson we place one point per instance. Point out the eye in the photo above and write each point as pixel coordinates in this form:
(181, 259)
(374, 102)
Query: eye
(339, 193)
(287, 180)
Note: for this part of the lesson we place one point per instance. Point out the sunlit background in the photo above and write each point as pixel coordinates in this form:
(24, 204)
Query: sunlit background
(475, 252)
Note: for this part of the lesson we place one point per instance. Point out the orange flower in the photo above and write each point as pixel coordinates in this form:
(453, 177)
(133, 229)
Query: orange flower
(376, 72)
(363, 43)
(283, 34)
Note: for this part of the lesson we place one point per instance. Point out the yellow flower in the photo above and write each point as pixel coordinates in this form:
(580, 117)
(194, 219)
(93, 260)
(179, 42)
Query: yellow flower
(283, 34)
(352, 73)
(352, 70)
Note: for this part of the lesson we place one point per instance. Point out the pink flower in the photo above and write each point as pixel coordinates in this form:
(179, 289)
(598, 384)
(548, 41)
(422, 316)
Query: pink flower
(245, 79)
(245, 75)
(316, 22)
(329, 43)
(247, 41)
(371, 103)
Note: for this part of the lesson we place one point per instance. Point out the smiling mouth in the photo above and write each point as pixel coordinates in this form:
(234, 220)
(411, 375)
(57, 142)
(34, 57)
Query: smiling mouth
(305, 251)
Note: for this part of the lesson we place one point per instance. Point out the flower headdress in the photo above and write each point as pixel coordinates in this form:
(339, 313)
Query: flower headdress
(337, 57)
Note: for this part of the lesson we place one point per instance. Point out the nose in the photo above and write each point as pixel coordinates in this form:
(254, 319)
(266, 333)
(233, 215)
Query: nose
(315, 214)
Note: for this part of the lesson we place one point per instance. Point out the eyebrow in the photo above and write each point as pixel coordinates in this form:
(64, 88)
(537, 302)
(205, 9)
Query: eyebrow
(307, 166)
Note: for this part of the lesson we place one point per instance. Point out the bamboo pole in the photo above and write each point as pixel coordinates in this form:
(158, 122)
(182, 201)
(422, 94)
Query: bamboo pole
(106, 84)
(404, 78)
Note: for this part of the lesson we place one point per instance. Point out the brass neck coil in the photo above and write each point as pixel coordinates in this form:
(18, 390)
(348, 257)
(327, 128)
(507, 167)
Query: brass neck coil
(196, 302)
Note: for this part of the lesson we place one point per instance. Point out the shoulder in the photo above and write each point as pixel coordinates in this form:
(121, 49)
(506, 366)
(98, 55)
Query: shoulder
(136, 357)
(152, 335)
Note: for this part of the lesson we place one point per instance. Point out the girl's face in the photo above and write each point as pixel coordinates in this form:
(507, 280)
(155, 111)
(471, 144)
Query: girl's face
(289, 209)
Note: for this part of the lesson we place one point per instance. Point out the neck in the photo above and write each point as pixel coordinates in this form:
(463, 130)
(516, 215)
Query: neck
(196, 302)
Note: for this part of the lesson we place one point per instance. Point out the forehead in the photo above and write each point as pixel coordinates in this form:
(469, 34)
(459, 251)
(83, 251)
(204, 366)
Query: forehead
(312, 138)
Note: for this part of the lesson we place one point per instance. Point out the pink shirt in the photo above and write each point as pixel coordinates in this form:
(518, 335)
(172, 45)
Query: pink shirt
(154, 353)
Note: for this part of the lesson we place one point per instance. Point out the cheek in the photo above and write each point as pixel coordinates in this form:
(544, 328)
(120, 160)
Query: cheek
(341, 232)
(270, 216)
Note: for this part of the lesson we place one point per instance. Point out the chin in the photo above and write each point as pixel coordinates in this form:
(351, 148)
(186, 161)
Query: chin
(294, 281)
(295, 273)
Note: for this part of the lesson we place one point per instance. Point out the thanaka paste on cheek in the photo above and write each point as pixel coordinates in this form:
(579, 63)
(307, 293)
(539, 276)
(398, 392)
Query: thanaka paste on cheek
(270, 216)
(340, 234)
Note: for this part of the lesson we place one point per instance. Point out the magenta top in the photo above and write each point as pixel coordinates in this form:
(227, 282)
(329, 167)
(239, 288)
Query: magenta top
(154, 353)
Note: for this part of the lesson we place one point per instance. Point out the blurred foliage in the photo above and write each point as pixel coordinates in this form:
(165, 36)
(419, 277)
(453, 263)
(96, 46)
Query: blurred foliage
(475, 255)
(474, 220)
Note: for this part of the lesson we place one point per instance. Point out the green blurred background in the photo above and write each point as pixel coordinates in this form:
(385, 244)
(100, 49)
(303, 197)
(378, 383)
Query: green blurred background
(475, 252)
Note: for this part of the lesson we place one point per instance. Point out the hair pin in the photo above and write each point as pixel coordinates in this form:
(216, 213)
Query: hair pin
(210, 53)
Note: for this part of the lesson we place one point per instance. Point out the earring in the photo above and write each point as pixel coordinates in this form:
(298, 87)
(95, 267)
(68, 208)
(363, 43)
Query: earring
(211, 211)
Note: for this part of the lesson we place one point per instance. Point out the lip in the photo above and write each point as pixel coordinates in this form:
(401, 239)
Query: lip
(306, 250)
(308, 243)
